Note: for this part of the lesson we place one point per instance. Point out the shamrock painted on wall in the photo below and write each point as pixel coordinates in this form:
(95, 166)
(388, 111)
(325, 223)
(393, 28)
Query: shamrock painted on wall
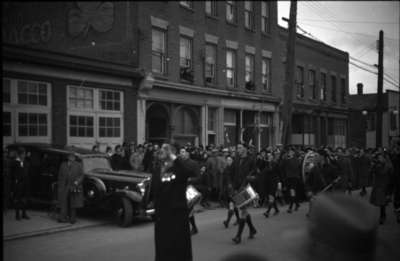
(96, 15)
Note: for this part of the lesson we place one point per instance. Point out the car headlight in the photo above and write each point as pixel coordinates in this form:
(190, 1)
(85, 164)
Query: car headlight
(142, 187)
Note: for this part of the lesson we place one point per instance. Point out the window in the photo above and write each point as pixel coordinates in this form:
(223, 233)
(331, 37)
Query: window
(230, 11)
(158, 51)
(231, 133)
(109, 127)
(265, 17)
(333, 83)
(297, 123)
(32, 124)
(249, 74)
(230, 68)
(343, 90)
(212, 119)
(210, 64)
(248, 15)
(266, 74)
(311, 80)
(211, 8)
(6, 123)
(393, 120)
(81, 98)
(186, 71)
(300, 82)
(323, 87)
(6, 90)
(188, 4)
(32, 93)
(110, 100)
(81, 126)
(371, 121)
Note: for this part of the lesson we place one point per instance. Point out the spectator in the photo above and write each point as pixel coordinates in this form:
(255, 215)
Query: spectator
(109, 151)
(117, 160)
(136, 159)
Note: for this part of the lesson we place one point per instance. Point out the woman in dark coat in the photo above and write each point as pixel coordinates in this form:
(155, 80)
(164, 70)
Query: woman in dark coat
(20, 183)
(70, 189)
(171, 227)
(381, 177)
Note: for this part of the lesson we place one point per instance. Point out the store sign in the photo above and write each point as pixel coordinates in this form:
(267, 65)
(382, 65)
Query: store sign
(30, 33)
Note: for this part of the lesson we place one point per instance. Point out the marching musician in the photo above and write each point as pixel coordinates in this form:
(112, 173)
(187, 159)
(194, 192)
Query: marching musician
(228, 181)
(244, 167)
(291, 175)
(272, 176)
(171, 226)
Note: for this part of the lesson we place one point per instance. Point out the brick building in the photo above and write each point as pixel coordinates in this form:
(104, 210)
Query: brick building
(363, 118)
(200, 72)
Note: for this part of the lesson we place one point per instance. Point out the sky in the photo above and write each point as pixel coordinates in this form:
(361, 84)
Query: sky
(353, 26)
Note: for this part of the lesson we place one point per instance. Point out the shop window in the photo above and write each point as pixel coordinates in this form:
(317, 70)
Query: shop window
(32, 124)
(297, 124)
(158, 48)
(212, 119)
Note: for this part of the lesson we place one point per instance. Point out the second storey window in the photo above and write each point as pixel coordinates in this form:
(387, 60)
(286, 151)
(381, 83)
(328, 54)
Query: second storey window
(186, 62)
(249, 75)
(211, 8)
(265, 17)
(343, 90)
(248, 15)
(210, 64)
(333, 86)
(311, 81)
(266, 74)
(300, 82)
(230, 11)
(323, 87)
(32, 93)
(81, 98)
(158, 48)
(230, 68)
(6, 90)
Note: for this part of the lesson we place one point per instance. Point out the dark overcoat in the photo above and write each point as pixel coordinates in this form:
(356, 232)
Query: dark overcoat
(243, 169)
(171, 226)
(381, 178)
(67, 176)
(272, 175)
(20, 179)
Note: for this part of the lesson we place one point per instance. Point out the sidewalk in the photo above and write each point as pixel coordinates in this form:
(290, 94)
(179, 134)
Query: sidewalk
(41, 223)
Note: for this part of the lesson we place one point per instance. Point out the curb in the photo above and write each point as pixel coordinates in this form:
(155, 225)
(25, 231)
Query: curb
(50, 231)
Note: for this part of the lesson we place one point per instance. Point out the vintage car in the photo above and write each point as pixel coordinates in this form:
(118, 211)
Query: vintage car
(126, 193)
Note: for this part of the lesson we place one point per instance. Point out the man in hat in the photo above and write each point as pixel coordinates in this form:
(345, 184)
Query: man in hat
(70, 188)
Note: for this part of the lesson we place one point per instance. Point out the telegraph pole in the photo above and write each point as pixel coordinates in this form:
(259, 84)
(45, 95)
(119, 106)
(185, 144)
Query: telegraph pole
(379, 102)
(289, 76)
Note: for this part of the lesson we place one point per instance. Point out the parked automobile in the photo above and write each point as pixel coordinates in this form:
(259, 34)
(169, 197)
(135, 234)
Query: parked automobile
(126, 193)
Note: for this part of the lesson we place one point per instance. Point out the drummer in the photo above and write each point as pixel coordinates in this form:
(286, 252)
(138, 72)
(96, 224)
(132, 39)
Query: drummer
(244, 168)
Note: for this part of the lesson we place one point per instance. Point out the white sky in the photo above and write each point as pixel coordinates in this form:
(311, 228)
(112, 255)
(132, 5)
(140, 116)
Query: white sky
(353, 26)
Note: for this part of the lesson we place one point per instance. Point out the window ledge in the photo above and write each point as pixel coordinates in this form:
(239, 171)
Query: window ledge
(213, 17)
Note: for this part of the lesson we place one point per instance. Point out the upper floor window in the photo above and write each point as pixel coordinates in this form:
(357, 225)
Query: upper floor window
(32, 93)
(211, 8)
(158, 48)
(6, 90)
(343, 90)
(210, 64)
(188, 4)
(7, 124)
(249, 75)
(110, 100)
(311, 81)
(32, 124)
(266, 74)
(230, 11)
(323, 87)
(248, 15)
(265, 25)
(333, 85)
(81, 98)
(300, 81)
(186, 62)
(231, 68)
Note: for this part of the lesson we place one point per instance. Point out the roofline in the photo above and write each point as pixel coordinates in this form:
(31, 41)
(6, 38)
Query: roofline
(46, 57)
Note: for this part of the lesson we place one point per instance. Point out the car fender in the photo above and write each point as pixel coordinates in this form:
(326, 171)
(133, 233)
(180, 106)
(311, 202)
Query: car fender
(99, 185)
(132, 195)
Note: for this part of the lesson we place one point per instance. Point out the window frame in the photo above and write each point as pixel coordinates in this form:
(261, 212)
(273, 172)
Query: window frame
(324, 83)
(233, 68)
(232, 6)
(333, 88)
(299, 82)
(215, 69)
(312, 83)
(190, 52)
(213, 8)
(343, 90)
(249, 70)
(163, 55)
(249, 15)
(267, 76)
(265, 19)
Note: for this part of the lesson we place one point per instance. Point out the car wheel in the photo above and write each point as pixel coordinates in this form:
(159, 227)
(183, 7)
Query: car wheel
(124, 212)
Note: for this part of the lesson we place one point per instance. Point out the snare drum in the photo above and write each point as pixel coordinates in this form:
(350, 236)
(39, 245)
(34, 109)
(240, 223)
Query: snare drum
(193, 196)
(245, 197)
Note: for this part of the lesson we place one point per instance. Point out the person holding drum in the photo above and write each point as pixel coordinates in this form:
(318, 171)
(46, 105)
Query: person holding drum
(171, 226)
(244, 167)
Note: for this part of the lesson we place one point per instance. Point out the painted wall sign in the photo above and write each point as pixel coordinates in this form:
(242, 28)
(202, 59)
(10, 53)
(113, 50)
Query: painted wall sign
(31, 33)
(96, 15)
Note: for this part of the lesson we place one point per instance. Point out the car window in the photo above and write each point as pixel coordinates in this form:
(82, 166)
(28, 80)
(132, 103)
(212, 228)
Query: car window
(96, 163)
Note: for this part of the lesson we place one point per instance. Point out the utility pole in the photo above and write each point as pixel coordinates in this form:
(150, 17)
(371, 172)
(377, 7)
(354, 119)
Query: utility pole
(379, 102)
(289, 76)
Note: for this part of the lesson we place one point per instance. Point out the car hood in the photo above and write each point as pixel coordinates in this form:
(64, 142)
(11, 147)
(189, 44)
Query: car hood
(122, 175)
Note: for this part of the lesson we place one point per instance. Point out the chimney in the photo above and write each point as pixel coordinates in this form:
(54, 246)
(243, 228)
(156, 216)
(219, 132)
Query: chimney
(359, 89)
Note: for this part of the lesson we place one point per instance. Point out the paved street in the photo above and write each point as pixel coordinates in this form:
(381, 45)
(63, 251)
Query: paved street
(278, 238)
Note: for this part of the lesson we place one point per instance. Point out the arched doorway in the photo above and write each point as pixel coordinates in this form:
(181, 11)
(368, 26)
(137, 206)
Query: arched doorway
(157, 121)
(187, 125)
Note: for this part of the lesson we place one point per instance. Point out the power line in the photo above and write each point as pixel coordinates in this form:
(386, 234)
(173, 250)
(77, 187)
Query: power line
(390, 77)
(367, 64)
(394, 84)
(362, 68)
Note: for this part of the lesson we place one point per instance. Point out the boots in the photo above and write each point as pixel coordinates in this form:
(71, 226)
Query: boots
(226, 222)
(238, 237)
(253, 230)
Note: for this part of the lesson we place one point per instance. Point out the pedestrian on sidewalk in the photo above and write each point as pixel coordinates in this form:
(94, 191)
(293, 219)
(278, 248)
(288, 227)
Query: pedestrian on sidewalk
(70, 189)
(20, 183)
